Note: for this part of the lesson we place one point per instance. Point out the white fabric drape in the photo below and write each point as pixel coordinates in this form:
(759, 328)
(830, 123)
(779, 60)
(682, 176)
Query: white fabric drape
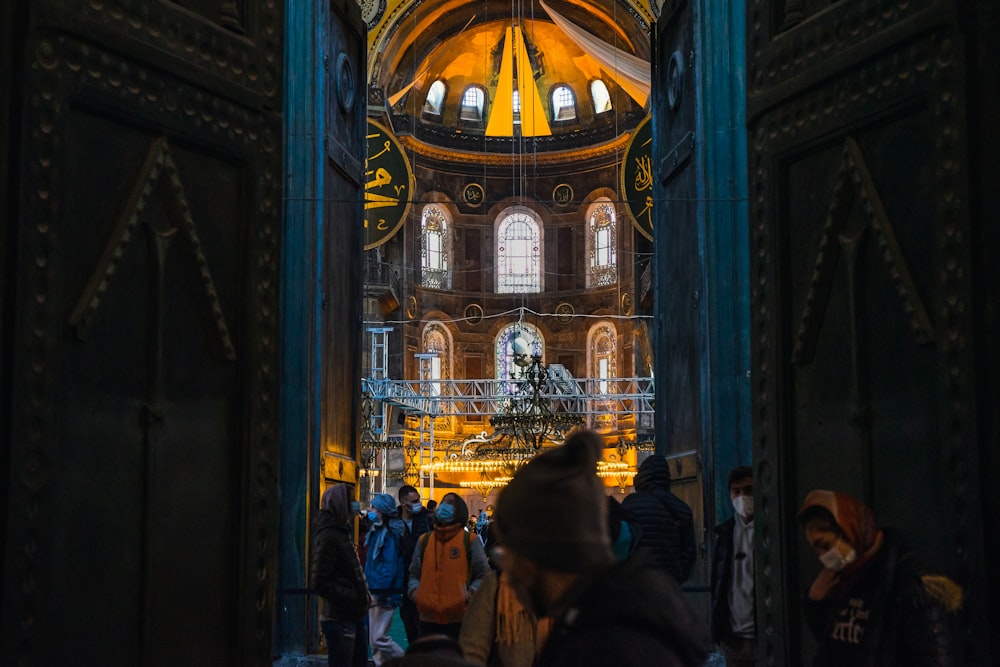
(633, 74)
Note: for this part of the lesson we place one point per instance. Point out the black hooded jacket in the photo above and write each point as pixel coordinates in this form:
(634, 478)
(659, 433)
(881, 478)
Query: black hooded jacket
(630, 616)
(334, 570)
(665, 521)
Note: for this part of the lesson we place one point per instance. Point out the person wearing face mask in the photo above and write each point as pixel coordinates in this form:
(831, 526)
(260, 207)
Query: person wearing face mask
(552, 520)
(733, 605)
(416, 522)
(873, 603)
(335, 573)
(384, 571)
(448, 565)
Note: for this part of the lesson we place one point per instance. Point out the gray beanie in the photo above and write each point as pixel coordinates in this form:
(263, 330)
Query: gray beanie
(554, 512)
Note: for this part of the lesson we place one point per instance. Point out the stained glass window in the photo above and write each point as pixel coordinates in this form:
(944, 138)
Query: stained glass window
(435, 248)
(602, 350)
(601, 244)
(519, 253)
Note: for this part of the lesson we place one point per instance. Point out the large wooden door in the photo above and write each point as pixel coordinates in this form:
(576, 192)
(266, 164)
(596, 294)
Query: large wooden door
(140, 332)
(869, 298)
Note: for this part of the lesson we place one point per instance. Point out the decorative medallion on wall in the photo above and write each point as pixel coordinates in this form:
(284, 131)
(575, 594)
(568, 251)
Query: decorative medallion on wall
(411, 307)
(562, 194)
(626, 303)
(474, 195)
(344, 76)
(388, 184)
(565, 313)
(637, 178)
(372, 12)
(473, 314)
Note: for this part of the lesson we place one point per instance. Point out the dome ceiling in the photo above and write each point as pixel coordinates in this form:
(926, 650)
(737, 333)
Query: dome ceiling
(480, 44)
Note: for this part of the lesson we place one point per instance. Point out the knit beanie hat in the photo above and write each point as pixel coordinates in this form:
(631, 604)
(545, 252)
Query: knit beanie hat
(554, 511)
(384, 503)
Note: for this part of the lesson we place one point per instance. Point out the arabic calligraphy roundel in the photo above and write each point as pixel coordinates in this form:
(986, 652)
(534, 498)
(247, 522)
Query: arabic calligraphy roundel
(637, 178)
(388, 186)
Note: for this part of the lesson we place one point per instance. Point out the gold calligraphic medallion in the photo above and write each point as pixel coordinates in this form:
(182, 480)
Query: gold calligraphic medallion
(562, 194)
(637, 178)
(388, 186)
(474, 195)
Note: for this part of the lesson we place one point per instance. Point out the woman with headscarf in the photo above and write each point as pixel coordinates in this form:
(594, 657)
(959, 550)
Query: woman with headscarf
(873, 603)
(335, 573)
(447, 567)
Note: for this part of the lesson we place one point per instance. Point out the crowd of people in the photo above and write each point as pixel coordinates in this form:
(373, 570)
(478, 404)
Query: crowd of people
(560, 574)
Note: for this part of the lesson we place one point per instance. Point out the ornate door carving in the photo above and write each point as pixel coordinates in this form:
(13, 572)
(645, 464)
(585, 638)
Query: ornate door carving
(141, 511)
(863, 299)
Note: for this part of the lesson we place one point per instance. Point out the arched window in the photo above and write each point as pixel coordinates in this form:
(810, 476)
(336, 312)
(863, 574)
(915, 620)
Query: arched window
(519, 253)
(563, 103)
(516, 105)
(437, 341)
(473, 100)
(601, 244)
(602, 348)
(435, 98)
(435, 248)
(602, 98)
(506, 369)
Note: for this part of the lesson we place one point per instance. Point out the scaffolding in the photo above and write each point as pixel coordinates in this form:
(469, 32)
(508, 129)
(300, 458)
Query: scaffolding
(602, 403)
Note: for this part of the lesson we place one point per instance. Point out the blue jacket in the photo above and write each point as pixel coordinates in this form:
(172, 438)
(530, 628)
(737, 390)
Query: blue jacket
(384, 564)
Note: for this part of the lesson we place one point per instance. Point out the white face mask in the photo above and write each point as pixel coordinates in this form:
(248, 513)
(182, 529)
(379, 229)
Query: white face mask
(743, 506)
(834, 560)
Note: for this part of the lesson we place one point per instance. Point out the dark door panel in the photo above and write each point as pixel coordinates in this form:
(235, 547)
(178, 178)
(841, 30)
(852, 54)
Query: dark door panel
(863, 291)
(142, 434)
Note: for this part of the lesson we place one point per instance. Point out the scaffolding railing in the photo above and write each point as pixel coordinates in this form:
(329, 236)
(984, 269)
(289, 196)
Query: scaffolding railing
(485, 397)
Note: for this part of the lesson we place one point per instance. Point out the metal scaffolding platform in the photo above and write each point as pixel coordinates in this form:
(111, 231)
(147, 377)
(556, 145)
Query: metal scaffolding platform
(485, 397)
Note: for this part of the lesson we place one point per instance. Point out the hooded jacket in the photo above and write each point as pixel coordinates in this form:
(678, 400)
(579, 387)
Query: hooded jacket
(631, 615)
(334, 570)
(384, 562)
(665, 521)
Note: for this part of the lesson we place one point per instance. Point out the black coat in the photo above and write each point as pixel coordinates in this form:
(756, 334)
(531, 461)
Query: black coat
(722, 579)
(334, 570)
(419, 524)
(630, 616)
(665, 521)
(887, 617)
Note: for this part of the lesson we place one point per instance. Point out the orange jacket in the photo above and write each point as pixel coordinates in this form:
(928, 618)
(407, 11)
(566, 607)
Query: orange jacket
(443, 593)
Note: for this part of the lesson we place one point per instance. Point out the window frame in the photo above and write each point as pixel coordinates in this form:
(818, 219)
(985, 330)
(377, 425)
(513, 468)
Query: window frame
(440, 276)
(593, 97)
(574, 101)
(503, 280)
(439, 112)
(602, 274)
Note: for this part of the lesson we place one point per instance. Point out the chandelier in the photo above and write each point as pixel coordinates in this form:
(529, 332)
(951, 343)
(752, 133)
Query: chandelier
(485, 485)
(620, 471)
(525, 421)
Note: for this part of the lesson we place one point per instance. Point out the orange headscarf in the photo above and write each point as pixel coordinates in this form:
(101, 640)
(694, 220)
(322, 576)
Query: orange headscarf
(855, 519)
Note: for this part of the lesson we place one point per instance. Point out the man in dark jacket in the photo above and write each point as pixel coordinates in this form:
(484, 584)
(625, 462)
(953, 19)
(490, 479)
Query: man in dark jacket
(665, 521)
(733, 602)
(553, 524)
(417, 523)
